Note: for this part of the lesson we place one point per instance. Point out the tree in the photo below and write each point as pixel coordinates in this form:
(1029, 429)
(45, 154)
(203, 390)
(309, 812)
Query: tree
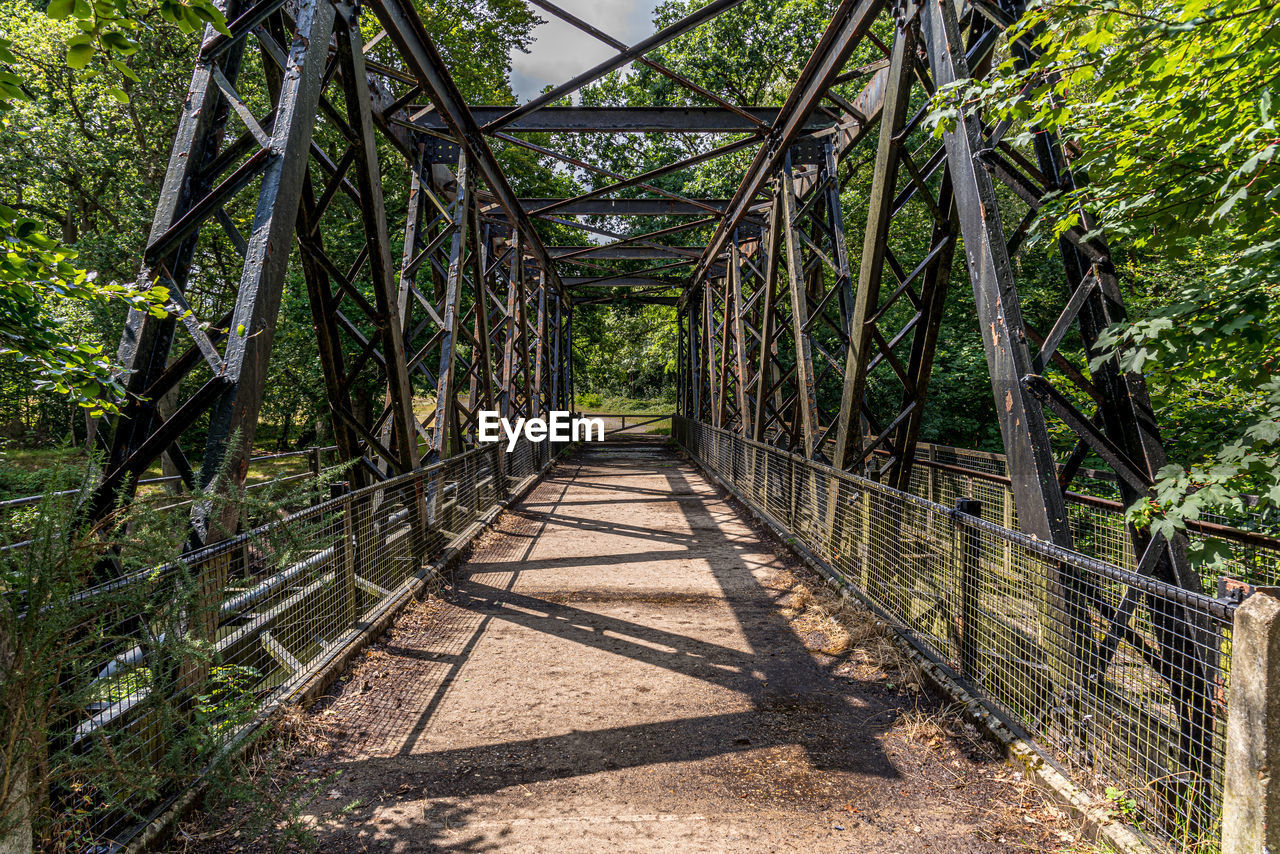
(37, 271)
(1168, 110)
(627, 351)
(90, 93)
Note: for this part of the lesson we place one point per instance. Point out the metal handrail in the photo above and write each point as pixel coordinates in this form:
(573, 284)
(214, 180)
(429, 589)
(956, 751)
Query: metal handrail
(26, 500)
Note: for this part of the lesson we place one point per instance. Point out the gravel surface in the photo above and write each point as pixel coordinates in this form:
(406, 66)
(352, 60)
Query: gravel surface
(627, 664)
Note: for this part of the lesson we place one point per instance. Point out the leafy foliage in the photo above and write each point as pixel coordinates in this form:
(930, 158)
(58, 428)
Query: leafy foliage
(1168, 110)
(35, 274)
(38, 280)
(69, 642)
(629, 351)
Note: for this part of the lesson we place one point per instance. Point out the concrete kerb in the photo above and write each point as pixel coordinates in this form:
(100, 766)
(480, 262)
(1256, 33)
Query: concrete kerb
(1100, 825)
(161, 826)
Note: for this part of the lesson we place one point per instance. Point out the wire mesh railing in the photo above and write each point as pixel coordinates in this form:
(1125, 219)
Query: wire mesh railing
(1118, 678)
(1098, 526)
(163, 669)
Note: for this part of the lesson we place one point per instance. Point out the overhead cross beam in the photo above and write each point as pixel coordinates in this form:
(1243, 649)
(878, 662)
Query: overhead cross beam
(624, 253)
(624, 57)
(624, 207)
(620, 281)
(851, 21)
(405, 29)
(576, 119)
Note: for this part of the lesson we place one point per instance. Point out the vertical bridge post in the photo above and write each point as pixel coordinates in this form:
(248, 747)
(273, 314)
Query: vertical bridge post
(1251, 799)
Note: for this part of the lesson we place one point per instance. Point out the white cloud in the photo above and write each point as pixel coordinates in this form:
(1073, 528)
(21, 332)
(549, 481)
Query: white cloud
(562, 50)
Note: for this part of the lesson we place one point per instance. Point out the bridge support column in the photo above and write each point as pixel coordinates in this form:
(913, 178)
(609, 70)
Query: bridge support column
(1251, 797)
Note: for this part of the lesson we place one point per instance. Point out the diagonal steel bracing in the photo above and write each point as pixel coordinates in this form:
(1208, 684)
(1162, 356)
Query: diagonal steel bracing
(804, 321)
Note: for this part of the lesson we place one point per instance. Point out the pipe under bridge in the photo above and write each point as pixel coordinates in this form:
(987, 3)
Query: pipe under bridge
(805, 359)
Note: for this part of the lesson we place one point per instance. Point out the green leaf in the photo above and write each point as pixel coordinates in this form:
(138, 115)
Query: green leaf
(212, 16)
(125, 71)
(119, 43)
(58, 10)
(78, 55)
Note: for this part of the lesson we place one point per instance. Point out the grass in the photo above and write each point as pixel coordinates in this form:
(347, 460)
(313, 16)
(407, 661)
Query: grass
(34, 471)
(589, 402)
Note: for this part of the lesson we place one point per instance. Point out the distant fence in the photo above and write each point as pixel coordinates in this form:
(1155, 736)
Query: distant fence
(280, 605)
(617, 422)
(1119, 678)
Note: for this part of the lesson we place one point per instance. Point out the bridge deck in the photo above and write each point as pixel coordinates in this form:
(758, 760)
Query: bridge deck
(616, 671)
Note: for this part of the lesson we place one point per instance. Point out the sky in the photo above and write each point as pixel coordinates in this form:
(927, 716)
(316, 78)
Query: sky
(561, 50)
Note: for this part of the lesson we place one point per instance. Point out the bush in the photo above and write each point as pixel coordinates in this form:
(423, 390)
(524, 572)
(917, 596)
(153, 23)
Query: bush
(111, 691)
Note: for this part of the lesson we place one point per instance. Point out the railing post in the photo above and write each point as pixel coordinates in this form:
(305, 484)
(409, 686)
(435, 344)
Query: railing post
(1251, 797)
(313, 465)
(793, 497)
(344, 555)
(504, 488)
(969, 560)
(933, 474)
(870, 548)
(764, 479)
(211, 578)
(500, 470)
(1006, 519)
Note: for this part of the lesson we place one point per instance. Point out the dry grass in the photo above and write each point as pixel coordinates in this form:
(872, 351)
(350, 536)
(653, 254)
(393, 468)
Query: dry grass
(862, 644)
(843, 627)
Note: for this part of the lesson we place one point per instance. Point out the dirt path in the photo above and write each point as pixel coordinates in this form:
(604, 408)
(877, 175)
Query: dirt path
(623, 669)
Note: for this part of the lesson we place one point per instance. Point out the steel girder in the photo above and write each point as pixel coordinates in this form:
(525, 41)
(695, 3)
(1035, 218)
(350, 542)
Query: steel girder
(579, 119)
(459, 312)
(205, 175)
(471, 311)
(924, 201)
(805, 332)
(794, 295)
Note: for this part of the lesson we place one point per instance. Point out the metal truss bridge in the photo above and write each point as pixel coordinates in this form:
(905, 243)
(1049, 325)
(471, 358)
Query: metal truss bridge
(805, 364)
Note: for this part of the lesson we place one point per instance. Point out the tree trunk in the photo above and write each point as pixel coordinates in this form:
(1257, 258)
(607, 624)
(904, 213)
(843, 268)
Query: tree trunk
(15, 809)
(90, 431)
